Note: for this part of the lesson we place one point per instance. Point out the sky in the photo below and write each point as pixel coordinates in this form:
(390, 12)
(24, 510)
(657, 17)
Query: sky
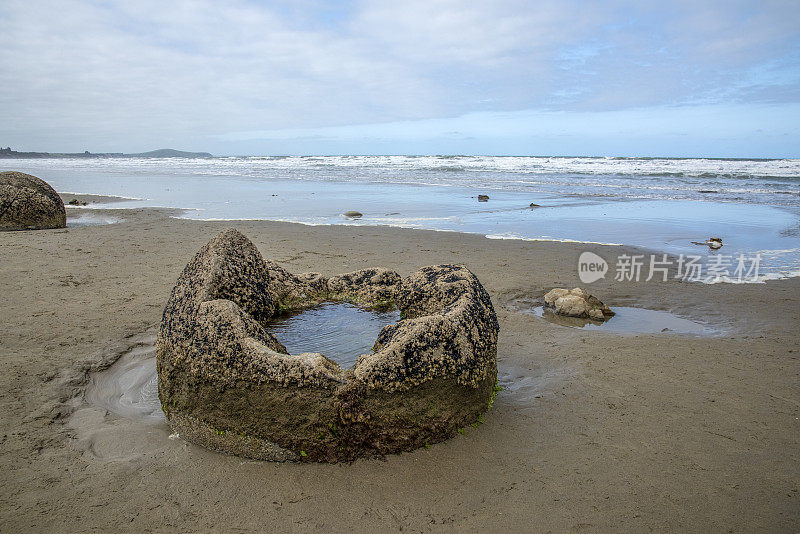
(504, 77)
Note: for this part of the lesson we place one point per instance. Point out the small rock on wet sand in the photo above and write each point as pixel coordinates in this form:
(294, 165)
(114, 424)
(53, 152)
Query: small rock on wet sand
(577, 303)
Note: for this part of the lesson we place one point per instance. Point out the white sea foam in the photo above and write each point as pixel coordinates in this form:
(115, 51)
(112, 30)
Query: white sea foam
(250, 219)
(553, 239)
(760, 279)
(95, 194)
(770, 182)
(640, 167)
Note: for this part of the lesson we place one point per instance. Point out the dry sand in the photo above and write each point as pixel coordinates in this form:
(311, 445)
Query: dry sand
(594, 431)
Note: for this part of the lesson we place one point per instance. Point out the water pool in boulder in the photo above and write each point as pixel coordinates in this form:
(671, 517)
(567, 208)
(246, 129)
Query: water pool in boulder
(340, 331)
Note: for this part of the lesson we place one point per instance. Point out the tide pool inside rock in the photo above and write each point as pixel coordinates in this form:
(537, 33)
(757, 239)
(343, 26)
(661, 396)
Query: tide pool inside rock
(340, 331)
(228, 384)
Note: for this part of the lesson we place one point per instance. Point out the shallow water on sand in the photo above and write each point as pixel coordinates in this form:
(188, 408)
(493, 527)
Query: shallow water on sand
(76, 220)
(342, 332)
(129, 387)
(631, 321)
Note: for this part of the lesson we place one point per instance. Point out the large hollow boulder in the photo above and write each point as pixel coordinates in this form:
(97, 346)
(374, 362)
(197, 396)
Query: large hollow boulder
(29, 203)
(227, 384)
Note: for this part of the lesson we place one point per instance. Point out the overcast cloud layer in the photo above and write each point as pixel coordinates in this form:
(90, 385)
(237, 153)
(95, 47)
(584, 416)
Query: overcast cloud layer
(421, 76)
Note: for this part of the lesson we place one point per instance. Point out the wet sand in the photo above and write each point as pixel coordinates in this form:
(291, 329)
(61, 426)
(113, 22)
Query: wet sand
(593, 432)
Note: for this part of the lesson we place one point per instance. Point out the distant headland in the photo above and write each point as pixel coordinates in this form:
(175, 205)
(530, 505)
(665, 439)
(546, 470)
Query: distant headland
(161, 153)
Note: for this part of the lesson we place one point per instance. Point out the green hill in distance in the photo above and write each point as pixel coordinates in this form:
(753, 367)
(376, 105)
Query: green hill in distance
(160, 153)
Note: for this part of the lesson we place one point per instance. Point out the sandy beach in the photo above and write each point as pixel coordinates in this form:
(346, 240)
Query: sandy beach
(428, 266)
(594, 431)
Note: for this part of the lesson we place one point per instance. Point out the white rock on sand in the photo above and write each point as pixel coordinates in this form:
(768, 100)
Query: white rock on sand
(577, 303)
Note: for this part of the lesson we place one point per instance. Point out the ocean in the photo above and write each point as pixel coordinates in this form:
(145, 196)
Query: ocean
(662, 204)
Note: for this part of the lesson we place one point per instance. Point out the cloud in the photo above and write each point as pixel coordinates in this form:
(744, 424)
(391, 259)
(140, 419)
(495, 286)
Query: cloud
(149, 69)
(136, 75)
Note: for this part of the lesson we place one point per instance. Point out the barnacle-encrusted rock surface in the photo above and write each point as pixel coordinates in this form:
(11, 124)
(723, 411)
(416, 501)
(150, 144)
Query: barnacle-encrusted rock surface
(577, 303)
(229, 385)
(29, 203)
(366, 285)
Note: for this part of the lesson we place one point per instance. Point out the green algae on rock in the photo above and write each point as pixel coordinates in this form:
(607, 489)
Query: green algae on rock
(229, 385)
(29, 203)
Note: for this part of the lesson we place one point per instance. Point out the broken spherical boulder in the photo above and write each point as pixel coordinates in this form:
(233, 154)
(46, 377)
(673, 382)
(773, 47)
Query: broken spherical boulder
(577, 303)
(29, 203)
(367, 286)
(229, 385)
